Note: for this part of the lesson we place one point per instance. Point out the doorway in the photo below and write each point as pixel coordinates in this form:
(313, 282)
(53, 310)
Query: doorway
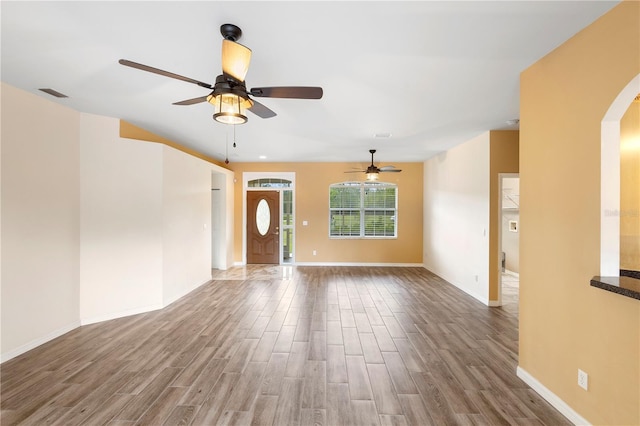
(263, 227)
(281, 185)
(509, 239)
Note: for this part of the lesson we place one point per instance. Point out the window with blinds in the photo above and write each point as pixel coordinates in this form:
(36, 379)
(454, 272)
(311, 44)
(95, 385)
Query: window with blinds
(363, 209)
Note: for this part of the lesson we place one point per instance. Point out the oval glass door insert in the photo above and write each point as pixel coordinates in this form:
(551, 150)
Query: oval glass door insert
(263, 217)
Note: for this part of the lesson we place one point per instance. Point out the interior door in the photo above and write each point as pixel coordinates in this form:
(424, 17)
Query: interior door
(263, 227)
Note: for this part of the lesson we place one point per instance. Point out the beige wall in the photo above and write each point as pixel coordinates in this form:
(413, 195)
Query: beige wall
(630, 188)
(120, 222)
(95, 226)
(503, 158)
(565, 324)
(312, 205)
(40, 220)
(186, 223)
(456, 216)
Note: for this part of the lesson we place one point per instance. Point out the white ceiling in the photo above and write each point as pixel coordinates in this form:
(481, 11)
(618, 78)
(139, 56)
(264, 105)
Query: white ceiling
(432, 73)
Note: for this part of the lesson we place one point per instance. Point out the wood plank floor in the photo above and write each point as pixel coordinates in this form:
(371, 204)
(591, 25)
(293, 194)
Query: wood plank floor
(280, 345)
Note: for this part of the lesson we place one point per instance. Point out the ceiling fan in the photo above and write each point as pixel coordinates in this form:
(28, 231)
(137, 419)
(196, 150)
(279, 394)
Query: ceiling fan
(372, 171)
(229, 95)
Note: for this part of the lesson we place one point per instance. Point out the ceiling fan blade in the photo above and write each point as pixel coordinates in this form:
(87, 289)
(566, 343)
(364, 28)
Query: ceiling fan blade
(162, 72)
(192, 101)
(297, 92)
(390, 171)
(261, 111)
(235, 60)
(356, 171)
(387, 167)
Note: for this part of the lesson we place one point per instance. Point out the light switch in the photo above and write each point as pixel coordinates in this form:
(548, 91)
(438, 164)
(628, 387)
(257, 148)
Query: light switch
(305, 223)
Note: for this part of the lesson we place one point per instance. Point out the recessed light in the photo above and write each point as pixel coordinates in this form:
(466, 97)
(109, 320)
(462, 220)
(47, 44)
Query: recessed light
(263, 157)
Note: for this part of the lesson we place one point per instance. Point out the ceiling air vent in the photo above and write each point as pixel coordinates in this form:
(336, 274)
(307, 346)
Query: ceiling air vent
(53, 93)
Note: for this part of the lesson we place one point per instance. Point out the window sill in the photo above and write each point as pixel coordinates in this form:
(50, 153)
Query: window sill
(358, 237)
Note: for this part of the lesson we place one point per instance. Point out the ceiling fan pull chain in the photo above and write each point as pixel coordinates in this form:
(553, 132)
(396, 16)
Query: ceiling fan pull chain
(226, 147)
(234, 135)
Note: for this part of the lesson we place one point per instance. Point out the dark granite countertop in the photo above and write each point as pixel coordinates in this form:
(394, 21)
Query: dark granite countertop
(624, 285)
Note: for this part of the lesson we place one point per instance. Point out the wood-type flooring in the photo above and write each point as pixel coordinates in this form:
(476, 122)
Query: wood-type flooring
(286, 345)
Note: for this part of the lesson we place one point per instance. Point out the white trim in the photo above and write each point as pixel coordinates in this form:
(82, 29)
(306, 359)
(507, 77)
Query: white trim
(180, 296)
(120, 314)
(482, 299)
(139, 310)
(86, 321)
(401, 265)
(249, 176)
(551, 398)
(39, 341)
(501, 177)
(610, 179)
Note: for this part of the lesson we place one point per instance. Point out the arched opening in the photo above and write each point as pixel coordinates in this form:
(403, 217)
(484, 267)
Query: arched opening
(610, 180)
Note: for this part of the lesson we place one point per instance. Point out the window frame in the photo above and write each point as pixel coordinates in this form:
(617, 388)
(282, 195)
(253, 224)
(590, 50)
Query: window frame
(362, 210)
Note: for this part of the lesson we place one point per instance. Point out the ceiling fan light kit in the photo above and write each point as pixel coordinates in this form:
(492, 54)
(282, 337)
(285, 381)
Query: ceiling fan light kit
(230, 96)
(229, 103)
(229, 108)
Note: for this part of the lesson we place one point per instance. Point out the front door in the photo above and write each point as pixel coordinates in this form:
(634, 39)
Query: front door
(263, 227)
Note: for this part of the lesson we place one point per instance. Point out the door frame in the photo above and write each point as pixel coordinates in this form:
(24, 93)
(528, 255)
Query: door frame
(249, 176)
(501, 176)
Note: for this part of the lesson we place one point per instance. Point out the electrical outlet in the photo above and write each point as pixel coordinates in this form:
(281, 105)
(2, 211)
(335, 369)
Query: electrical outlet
(583, 379)
(315, 252)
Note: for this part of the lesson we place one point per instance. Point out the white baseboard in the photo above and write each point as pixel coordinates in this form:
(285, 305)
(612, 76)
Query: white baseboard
(120, 314)
(494, 303)
(483, 300)
(551, 398)
(180, 296)
(92, 320)
(39, 341)
(399, 265)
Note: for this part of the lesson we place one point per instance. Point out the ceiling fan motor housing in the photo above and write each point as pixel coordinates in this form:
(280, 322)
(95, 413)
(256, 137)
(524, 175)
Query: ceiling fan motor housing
(225, 85)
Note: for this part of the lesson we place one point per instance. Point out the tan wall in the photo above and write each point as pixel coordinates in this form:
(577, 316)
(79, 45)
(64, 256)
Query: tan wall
(503, 158)
(129, 131)
(565, 324)
(630, 188)
(312, 205)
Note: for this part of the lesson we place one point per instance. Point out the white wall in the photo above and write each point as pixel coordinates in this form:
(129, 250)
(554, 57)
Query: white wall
(456, 216)
(186, 223)
(40, 220)
(121, 222)
(511, 212)
(222, 219)
(511, 241)
(95, 226)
